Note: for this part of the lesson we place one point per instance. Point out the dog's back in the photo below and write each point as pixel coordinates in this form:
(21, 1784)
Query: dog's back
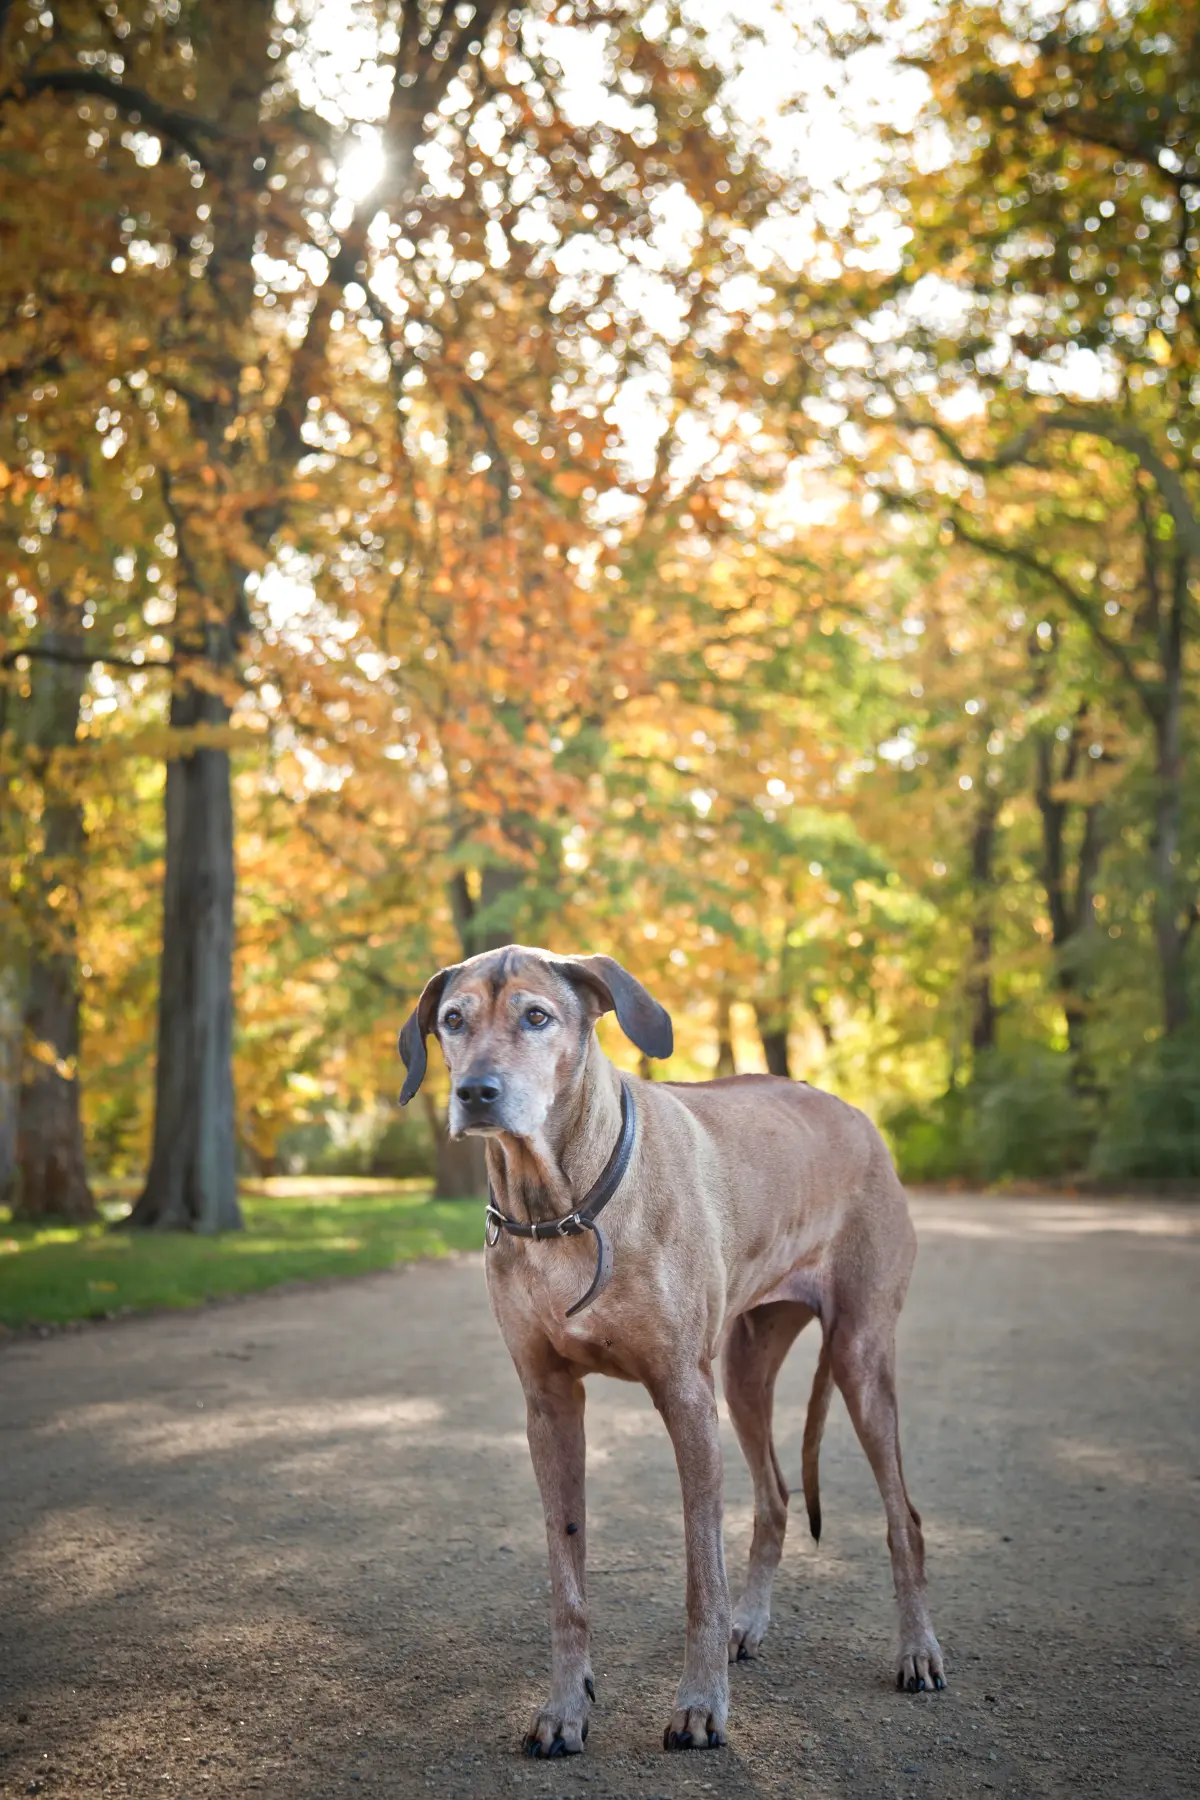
(803, 1182)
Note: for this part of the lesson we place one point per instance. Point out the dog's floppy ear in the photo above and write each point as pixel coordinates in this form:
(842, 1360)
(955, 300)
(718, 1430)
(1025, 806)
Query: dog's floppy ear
(416, 1029)
(641, 1018)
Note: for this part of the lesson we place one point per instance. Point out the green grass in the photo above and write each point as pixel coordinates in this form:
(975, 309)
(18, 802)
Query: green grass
(51, 1274)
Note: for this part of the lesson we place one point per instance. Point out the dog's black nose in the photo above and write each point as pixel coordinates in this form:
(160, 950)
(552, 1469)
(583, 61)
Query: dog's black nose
(479, 1090)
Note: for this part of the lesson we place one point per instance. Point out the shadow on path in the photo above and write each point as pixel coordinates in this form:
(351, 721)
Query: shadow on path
(293, 1546)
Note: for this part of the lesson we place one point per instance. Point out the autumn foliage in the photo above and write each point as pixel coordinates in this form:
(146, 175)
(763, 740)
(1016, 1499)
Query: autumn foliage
(464, 477)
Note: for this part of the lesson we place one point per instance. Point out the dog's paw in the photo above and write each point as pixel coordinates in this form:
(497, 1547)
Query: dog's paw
(919, 1668)
(560, 1730)
(694, 1728)
(749, 1630)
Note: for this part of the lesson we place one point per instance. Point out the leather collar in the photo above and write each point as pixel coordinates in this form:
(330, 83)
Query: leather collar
(584, 1217)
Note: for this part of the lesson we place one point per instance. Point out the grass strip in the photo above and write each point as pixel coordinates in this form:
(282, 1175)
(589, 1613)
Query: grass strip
(51, 1274)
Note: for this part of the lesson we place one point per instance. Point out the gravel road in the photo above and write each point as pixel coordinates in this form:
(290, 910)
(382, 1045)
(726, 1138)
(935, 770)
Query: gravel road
(292, 1546)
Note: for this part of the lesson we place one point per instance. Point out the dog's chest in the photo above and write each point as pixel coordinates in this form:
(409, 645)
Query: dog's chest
(596, 1352)
(531, 1295)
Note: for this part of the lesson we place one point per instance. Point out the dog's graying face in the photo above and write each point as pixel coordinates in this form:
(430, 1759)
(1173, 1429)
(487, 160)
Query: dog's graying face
(514, 1026)
(514, 1033)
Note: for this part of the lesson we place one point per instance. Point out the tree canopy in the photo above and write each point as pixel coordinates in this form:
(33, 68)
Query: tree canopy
(473, 474)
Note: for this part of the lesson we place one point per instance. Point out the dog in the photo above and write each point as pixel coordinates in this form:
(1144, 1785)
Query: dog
(740, 1210)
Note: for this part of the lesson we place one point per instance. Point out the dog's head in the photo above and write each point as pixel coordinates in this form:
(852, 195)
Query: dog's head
(514, 1027)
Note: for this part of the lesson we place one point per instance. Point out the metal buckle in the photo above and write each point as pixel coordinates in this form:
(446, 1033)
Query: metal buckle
(491, 1228)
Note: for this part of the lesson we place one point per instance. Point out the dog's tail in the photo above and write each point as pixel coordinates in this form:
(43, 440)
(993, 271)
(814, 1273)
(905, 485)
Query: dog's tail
(814, 1426)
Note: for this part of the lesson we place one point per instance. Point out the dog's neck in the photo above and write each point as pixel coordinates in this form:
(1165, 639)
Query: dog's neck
(546, 1175)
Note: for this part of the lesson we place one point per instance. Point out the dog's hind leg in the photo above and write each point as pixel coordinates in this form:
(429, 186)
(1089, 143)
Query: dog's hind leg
(864, 1367)
(755, 1346)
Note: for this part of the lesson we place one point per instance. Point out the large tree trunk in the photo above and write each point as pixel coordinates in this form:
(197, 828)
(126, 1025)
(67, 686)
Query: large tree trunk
(52, 1177)
(979, 984)
(192, 1183)
(51, 1174)
(1172, 921)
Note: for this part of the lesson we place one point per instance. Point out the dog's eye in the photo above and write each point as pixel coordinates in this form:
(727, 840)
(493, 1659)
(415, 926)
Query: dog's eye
(452, 1019)
(537, 1016)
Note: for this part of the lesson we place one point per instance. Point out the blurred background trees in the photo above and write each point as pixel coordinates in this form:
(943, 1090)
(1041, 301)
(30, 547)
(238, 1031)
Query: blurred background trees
(721, 492)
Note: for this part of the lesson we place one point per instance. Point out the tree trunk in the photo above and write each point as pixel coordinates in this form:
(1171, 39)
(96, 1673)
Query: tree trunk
(192, 1183)
(1073, 979)
(52, 1177)
(51, 1174)
(773, 1035)
(485, 923)
(1172, 922)
(1070, 912)
(461, 1164)
(726, 1061)
(461, 1167)
(982, 997)
(11, 1009)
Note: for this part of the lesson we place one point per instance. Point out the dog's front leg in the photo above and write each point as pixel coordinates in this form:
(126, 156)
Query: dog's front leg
(554, 1421)
(689, 1409)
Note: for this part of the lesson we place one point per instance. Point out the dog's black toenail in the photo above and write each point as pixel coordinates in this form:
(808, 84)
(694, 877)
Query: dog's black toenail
(557, 1748)
(589, 1687)
(938, 1683)
(533, 1746)
(714, 1738)
(911, 1684)
(900, 1682)
(743, 1654)
(920, 1684)
(584, 1732)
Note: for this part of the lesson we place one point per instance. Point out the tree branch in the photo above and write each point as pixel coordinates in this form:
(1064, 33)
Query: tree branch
(17, 373)
(1009, 455)
(81, 658)
(1169, 481)
(184, 129)
(1033, 565)
(994, 92)
(408, 105)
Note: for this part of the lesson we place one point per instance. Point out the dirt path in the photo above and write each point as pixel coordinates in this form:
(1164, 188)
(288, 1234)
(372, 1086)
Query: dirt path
(293, 1546)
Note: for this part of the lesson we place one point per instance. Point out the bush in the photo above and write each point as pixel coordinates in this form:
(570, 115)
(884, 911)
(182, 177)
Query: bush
(1030, 1121)
(367, 1143)
(1151, 1130)
(1018, 1118)
(405, 1147)
(934, 1142)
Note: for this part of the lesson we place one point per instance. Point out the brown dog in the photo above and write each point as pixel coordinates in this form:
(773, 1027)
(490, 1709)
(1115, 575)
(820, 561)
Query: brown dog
(743, 1209)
